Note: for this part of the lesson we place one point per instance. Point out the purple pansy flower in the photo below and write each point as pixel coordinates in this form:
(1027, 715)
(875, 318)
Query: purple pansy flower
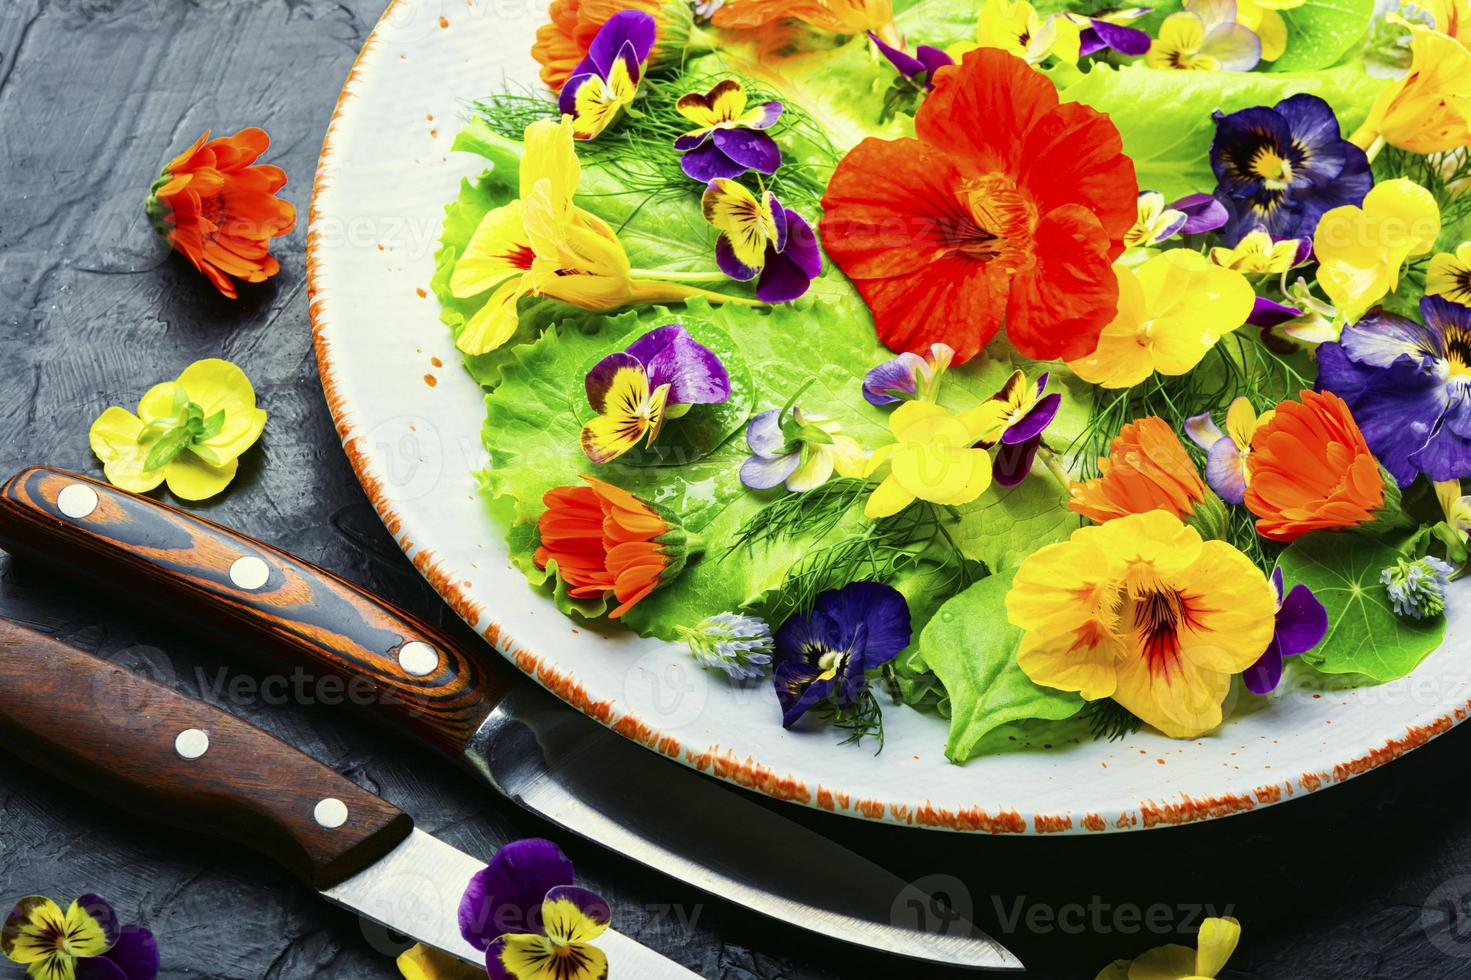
(826, 654)
(1302, 622)
(84, 942)
(1408, 387)
(761, 238)
(1026, 414)
(635, 391)
(919, 67)
(908, 377)
(1107, 30)
(1282, 168)
(607, 80)
(524, 911)
(730, 139)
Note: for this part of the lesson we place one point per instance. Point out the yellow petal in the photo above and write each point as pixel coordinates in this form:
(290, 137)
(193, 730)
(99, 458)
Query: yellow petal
(1408, 219)
(1121, 359)
(495, 322)
(37, 918)
(551, 155)
(747, 222)
(1272, 30)
(1117, 970)
(85, 935)
(499, 249)
(1180, 37)
(1067, 41)
(157, 402)
(424, 963)
(1172, 962)
(114, 438)
(887, 499)
(1218, 939)
(1450, 275)
(1241, 422)
(191, 478)
(848, 457)
(219, 386)
(1192, 304)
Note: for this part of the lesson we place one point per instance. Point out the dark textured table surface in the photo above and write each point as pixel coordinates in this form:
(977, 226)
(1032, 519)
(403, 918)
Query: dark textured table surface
(1372, 879)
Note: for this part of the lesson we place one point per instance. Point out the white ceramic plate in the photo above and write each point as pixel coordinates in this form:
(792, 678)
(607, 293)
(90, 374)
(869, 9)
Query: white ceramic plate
(409, 419)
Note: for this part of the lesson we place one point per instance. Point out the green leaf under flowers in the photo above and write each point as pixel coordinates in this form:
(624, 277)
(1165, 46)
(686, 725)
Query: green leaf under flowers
(971, 646)
(1364, 635)
(1165, 117)
(1007, 524)
(1321, 32)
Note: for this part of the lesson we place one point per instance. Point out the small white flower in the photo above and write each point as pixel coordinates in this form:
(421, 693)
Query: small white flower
(739, 645)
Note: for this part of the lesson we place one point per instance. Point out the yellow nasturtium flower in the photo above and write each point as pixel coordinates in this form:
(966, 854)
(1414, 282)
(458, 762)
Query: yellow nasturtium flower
(1449, 275)
(1428, 110)
(1361, 250)
(1015, 26)
(933, 457)
(1217, 941)
(1172, 310)
(189, 433)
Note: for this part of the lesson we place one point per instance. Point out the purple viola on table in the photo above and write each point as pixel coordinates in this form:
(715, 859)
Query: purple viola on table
(1281, 168)
(823, 657)
(606, 81)
(525, 912)
(1302, 622)
(86, 942)
(762, 240)
(1408, 386)
(908, 377)
(918, 68)
(1022, 414)
(731, 139)
(635, 391)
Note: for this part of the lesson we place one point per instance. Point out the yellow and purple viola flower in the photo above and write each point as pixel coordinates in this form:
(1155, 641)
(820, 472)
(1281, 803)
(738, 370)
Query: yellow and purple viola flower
(1259, 254)
(1227, 452)
(607, 80)
(1158, 222)
(762, 240)
(824, 656)
(1301, 624)
(1022, 414)
(1409, 388)
(1449, 275)
(1282, 168)
(730, 138)
(532, 922)
(797, 449)
(1205, 36)
(908, 377)
(83, 943)
(920, 67)
(634, 391)
(1109, 30)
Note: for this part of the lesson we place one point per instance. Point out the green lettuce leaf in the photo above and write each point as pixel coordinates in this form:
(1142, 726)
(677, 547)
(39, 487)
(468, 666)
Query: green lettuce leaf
(1364, 635)
(1321, 32)
(1009, 523)
(971, 647)
(1165, 116)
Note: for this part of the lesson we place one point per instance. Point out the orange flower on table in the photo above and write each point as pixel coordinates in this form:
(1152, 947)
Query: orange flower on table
(1146, 469)
(561, 44)
(1311, 470)
(607, 542)
(1008, 207)
(832, 16)
(220, 211)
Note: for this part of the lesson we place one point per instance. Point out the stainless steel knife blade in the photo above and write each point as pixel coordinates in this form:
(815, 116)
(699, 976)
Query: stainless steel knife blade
(415, 890)
(569, 770)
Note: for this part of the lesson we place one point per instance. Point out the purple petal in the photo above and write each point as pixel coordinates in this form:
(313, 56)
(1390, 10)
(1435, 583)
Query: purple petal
(506, 896)
(1089, 42)
(1277, 583)
(801, 244)
(770, 113)
(628, 33)
(779, 219)
(654, 343)
(1268, 313)
(907, 65)
(1223, 471)
(1203, 431)
(101, 912)
(494, 968)
(933, 60)
(600, 378)
(1013, 462)
(880, 608)
(1038, 417)
(782, 279)
(1041, 385)
(567, 101)
(765, 472)
(897, 374)
(99, 968)
(689, 141)
(750, 147)
(798, 690)
(725, 257)
(1125, 40)
(709, 163)
(694, 374)
(1302, 622)
(588, 902)
(764, 435)
(1202, 213)
(135, 954)
(1263, 676)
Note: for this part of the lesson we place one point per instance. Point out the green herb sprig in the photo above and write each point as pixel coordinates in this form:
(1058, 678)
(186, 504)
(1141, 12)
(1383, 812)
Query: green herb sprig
(185, 427)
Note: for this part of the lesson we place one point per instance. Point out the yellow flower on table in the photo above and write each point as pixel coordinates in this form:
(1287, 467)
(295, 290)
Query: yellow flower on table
(189, 433)
(1217, 941)
(1172, 310)
(1449, 275)
(1361, 250)
(423, 963)
(933, 457)
(1141, 610)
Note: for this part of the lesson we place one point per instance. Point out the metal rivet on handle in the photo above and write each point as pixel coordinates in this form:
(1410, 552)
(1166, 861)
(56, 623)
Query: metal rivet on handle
(77, 500)
(418, 658)
(249, 573)
(191, 743)
(331, 813)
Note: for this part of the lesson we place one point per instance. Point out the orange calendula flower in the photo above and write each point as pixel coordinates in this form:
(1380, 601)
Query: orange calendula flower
(1311, 470)
(607, 542)
(831, 16)
(564, 42)
(220, 211)
(1143, 611)
(1146, 469)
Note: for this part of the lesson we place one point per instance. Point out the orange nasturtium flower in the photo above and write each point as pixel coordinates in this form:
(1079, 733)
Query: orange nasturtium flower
(220, 211)
(1311, 470)
(607, 542)
(1143, 611)
(1147, 469)
(831, 16)
(562, 43)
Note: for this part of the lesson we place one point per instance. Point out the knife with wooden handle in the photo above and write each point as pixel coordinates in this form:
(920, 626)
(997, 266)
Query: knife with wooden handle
(177, 761)
(276, 608)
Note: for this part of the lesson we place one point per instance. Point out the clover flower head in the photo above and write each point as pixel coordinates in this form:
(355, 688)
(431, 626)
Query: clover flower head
(1417, 588)
(737, 644)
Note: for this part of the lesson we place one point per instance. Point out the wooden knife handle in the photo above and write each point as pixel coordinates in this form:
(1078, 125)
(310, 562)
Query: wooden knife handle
(263, 603)
(171, 759)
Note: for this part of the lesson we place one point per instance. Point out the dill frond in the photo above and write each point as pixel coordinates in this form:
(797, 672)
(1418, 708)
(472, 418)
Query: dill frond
(815, 513)
(863, 719)
(1107, 719)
